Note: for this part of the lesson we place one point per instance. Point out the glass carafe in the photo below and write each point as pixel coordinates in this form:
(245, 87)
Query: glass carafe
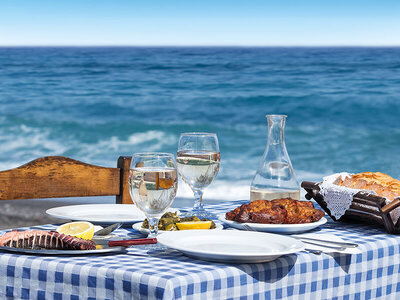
(275, 177)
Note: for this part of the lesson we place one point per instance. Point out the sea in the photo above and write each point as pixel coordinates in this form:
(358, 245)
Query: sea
(96, 103)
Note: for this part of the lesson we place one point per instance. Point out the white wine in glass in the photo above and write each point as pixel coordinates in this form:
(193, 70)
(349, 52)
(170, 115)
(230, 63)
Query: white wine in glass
(153, 189)
(153, 183)
(198, 161)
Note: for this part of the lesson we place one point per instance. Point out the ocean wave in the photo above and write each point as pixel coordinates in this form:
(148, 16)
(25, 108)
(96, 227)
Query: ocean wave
(227, 190)
(24, 143)
(336, 121)
(221, 190)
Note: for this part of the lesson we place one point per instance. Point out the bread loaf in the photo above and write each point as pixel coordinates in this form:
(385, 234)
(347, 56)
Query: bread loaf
(382, 184)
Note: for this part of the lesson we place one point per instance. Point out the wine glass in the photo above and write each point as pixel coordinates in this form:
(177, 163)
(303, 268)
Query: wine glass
(153, 182)
(198, 161)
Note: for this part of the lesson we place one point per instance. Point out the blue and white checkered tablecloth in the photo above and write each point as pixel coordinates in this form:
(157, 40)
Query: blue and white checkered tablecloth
(372, 274)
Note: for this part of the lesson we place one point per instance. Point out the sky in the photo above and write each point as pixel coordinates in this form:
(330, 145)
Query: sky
(200, 23)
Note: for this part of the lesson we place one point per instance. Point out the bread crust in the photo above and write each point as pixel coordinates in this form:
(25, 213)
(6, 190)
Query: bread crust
(382, 184)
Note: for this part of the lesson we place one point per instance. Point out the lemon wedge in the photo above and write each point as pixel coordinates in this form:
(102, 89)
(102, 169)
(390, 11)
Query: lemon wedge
(83, 230)
(194, 225)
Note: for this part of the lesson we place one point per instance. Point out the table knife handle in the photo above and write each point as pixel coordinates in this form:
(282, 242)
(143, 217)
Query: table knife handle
(132, 242)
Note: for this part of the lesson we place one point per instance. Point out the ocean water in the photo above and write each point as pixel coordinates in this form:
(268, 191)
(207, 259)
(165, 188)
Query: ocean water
(94, 104)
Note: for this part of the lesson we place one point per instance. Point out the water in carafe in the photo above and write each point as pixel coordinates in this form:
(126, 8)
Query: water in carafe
(275, 177)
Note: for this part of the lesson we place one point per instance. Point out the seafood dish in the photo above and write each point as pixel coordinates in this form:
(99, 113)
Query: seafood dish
(278, 211)
(384, 185)
(169, 221)
(40, 239)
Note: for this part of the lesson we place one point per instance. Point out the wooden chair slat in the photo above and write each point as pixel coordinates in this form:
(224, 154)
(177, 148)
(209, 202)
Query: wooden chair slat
(124, 163)
(58, 176)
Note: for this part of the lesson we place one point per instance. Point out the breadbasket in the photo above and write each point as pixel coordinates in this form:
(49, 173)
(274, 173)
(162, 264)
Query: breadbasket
(365, 207)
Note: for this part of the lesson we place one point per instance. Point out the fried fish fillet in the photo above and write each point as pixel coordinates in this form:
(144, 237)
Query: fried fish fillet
(278, 211)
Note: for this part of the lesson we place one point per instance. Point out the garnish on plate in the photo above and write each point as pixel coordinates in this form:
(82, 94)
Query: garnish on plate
(194, 225)
(169, 220)
(82, 230)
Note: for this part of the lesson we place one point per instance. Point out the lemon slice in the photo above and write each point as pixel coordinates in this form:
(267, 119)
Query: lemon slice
(194, 225)
(83, 230)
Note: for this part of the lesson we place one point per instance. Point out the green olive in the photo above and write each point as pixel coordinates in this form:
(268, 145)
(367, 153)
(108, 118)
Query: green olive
(190, 219)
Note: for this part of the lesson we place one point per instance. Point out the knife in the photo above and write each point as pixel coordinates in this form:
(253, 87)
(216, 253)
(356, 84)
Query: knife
(126, 243)
(326, 242)
(107, 230)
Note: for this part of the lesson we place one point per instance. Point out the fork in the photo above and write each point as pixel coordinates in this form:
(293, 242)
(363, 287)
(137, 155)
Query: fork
(313, 251)
(313, 242)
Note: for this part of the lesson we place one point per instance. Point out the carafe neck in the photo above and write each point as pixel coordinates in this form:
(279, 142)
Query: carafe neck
(276, 125)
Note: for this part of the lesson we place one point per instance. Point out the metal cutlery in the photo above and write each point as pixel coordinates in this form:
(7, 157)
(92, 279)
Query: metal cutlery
(335, 243)
(104, 231)
(325, 246)
(313, 251)
(107, 230)
(338, 246)
(126, 243)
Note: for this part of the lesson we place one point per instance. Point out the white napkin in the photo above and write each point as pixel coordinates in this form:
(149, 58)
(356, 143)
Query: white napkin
(327, 237)
(338, 198)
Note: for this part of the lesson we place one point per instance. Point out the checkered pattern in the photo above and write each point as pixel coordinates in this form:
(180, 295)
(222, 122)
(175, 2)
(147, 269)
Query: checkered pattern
(372, 274)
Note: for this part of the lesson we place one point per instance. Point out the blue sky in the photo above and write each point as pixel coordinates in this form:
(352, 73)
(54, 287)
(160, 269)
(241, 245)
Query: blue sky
(201, 22)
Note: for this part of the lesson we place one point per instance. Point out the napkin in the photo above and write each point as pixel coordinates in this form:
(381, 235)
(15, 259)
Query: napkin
(327, 237)
(338, 198)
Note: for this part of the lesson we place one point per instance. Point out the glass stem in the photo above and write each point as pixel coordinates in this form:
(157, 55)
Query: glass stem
(153, 227)
(198, 200)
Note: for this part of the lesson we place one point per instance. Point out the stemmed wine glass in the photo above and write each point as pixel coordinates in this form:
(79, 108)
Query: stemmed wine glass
(198, 160)
(153, 182)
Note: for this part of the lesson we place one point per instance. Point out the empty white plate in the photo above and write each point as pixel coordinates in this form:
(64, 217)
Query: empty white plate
(99, 213)
(230, 245)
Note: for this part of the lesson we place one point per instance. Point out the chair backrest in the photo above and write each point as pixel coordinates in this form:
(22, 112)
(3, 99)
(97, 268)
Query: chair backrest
(58, 176)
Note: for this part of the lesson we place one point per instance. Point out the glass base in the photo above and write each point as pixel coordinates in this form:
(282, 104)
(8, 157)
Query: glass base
(152, 247)
(200, 213)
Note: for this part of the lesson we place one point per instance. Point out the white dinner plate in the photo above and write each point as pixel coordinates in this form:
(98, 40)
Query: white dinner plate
(230, 245)
(99, 213)
(138, 227)
(275, 228)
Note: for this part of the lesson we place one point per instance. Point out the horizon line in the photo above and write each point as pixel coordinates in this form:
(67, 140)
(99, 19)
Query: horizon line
(204, 46)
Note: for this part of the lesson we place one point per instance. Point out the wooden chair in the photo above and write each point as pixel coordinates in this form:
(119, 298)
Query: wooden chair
(58, 176)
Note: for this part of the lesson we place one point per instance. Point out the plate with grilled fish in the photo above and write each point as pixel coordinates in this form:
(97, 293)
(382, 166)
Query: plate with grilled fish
(52, 243)
(285, 215)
